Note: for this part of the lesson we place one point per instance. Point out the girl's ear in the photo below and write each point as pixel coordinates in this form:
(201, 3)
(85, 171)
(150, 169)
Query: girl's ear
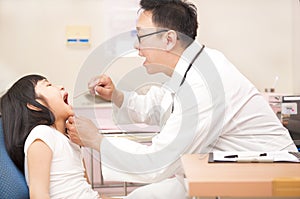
(32, 107)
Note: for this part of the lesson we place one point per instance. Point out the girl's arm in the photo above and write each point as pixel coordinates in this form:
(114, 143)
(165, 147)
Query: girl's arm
(39, 157)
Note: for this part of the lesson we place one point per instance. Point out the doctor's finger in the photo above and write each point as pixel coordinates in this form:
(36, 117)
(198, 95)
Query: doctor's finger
(106, 93)
(105, 81)
(94, 81)
(75, 138)
(70, 127)
(71, 120)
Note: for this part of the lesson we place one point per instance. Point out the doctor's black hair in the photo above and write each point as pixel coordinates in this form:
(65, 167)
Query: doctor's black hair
(18, 120)
(178, 15)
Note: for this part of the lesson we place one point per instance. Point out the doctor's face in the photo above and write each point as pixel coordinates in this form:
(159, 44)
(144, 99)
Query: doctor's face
(150, 43)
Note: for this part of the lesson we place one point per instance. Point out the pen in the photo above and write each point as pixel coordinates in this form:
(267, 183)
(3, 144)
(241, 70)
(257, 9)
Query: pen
(231, 156)
(236, 156)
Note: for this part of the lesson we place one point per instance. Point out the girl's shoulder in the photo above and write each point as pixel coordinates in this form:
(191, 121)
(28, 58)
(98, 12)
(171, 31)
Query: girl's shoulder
(42, 127)
(42, 132)
(45, 131)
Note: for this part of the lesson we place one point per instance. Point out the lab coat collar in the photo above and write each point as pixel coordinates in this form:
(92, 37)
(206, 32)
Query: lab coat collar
(185, 59)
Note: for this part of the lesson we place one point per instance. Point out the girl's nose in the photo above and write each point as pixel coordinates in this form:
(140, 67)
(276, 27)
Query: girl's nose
(61, 87)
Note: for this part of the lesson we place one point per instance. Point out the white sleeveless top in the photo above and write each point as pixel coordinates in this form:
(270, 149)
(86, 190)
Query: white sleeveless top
(67, 170)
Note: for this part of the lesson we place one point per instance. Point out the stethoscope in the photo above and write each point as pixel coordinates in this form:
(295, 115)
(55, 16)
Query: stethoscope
(186, 71)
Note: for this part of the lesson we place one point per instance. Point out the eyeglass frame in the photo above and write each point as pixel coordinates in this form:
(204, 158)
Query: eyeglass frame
(149, 34)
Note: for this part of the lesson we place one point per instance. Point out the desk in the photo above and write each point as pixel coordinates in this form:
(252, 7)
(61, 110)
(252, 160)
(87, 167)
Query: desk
(240, 179)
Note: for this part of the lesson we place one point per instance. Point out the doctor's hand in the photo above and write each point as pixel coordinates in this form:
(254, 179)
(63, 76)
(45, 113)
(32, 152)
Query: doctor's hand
(103, 86)
(83, 132)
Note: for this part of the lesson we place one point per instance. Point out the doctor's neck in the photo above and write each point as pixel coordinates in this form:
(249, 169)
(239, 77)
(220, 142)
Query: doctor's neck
(172, 58)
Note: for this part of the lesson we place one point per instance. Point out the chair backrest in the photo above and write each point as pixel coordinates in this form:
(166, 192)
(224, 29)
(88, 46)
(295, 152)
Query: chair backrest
(12, 181)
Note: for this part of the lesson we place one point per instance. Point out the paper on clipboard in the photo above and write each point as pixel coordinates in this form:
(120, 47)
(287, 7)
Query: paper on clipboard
(253, 156)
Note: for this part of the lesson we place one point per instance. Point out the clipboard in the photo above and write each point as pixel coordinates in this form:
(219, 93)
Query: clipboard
(253, 157)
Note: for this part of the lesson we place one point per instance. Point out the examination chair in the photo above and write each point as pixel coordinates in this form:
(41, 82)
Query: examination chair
(12, 181)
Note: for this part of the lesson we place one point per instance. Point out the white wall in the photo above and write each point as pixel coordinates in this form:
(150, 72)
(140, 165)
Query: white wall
(261, 37)
(256, 35)
(32, 37)
(296, 47)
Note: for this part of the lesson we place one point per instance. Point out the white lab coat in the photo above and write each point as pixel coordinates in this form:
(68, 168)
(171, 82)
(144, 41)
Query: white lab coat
(216, 108)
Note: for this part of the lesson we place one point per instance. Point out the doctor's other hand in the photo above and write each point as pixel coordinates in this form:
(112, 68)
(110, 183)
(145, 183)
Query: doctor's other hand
(103, 86)
(82, 131)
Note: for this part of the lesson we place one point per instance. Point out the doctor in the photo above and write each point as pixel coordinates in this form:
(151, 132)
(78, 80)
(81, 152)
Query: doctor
(207, 105)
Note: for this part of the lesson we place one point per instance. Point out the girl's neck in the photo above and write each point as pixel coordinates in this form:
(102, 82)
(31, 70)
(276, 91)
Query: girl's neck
(60, 125)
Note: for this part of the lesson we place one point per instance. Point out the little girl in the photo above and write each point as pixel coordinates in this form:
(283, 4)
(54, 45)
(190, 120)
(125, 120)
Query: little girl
(34, 116)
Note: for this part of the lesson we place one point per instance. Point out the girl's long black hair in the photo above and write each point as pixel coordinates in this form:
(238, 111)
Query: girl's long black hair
(18, 119)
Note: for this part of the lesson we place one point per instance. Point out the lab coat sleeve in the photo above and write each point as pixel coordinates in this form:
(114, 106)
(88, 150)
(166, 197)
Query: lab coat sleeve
(112, 173)
(159, 142)
(140, 108)
(175, 138)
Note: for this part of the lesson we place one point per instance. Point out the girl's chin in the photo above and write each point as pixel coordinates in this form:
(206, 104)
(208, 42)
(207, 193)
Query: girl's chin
(70, 107)
(70, 112)
(68, 116)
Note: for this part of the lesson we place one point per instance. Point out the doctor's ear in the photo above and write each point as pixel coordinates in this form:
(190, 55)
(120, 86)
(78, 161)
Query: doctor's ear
(171, 39)
(32, 107)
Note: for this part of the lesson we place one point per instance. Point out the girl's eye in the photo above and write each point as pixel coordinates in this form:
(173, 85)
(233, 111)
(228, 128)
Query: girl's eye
(49, 84)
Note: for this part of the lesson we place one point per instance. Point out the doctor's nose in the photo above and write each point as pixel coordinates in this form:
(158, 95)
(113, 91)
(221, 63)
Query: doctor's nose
(137, 47)
(136, 44)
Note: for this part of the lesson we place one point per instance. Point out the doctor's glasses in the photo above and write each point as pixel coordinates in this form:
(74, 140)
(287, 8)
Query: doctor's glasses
(139, 37)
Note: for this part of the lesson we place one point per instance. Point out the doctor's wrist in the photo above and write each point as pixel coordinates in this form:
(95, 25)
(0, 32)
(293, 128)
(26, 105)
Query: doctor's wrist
(96, 144)
(118, 98)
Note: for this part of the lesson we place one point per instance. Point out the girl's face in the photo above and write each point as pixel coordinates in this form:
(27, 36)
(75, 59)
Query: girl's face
(55, 98)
